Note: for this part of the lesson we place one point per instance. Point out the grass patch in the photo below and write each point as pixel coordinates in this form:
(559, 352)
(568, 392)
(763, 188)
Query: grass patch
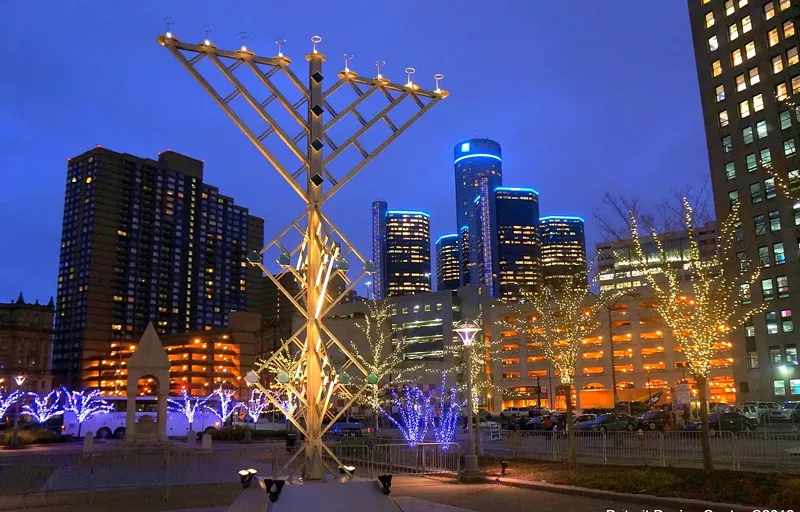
(34, 435)
(238, 433)
(747, 488)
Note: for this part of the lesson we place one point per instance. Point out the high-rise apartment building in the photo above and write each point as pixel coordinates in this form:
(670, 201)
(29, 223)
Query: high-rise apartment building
(618, 270)
(509, 255)
(447, 262)
(145, 240)
(403, 259)
(563, 247)
(26, 334)
(749, 75)
(473, 159)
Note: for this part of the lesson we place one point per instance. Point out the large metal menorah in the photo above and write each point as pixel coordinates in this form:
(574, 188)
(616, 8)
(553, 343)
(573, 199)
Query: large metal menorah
(322, 253)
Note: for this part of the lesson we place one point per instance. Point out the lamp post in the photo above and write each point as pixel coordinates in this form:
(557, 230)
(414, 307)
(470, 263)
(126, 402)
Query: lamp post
(20, 380)
(467, 330)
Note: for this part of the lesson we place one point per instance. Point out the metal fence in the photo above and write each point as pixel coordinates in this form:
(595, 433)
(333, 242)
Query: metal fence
(400, 458)
(760, 451)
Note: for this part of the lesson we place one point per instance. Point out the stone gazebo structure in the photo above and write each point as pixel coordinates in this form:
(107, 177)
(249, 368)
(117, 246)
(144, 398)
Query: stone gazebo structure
(148, 360)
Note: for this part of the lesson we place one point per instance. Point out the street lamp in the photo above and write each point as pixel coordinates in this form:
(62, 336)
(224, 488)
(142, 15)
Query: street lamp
(467, 330)
(20, 380)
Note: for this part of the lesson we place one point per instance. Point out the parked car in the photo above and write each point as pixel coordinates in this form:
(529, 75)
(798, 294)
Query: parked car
(764, 409)
(729, 422)
(515, 412)
(597, 411)
(350, 429)
(484, 423)
(654, 420)
(580, 418)
(537, 423)
(608, 422)
(749, 411)
(789, 411)
(483, 413)
(633, 408)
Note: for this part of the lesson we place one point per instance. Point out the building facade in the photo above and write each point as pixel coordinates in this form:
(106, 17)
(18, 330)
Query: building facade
(747, 66)
(632, 348)
(145, 240)
(474, 159)
(618, 270)
(404, 257)
(447, 262)
(563, 247)
(26, 332)
(200, 361)
(509, 255)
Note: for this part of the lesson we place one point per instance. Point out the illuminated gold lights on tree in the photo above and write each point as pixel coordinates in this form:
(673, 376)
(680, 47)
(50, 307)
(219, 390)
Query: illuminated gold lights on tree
(559, 316)
(385, 359)
(703, 312)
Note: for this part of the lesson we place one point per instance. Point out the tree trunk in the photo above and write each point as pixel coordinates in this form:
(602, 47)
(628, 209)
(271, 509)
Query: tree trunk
(571, 449)
(705, 438)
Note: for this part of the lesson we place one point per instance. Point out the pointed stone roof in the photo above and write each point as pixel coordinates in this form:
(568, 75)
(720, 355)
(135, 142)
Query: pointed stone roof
(149, 352)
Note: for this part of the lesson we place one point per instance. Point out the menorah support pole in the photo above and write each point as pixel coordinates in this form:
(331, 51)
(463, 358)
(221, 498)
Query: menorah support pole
(314, 468)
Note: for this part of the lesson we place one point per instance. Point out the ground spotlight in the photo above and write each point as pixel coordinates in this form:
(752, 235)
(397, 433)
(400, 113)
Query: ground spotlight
(343, 470)
(504, 466)
(246, 477)
(386, 483)
(274, 488)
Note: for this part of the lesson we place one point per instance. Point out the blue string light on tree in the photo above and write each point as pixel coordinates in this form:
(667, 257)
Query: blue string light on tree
(450, 408)
(43, 408)
(189, 406)
(85, 404)
(6, 401)
(256, 404)
(227, 405)
(415, 414)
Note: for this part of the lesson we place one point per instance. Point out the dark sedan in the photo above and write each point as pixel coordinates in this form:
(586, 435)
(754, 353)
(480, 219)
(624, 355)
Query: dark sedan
(654, 420)
(607, 422)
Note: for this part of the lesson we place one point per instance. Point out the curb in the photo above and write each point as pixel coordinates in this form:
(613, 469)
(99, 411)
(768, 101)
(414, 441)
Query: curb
(599, 493)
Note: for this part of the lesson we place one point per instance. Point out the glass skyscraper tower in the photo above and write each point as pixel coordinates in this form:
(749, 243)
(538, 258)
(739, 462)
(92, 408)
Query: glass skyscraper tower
(474, 159)
(563, 248)
(401, 247)
(447, 262)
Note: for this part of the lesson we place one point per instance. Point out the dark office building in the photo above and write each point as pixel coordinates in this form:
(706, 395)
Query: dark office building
(473, 159)
(748, 69)
(518, 251)
(404, 257)
(145, 240)
(563, 248)
(447, 262)
(508, 246)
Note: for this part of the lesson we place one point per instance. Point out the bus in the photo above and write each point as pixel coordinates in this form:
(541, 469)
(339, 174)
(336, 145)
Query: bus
(112, 424)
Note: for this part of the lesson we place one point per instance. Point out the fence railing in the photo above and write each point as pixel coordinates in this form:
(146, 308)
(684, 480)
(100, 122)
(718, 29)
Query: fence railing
(738, 451)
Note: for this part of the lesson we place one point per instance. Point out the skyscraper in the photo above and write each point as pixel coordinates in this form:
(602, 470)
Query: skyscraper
(447, 262)
(473, 159)
(563, 247)
(508, 249)
(747, 66)
(518, 250)
(145, 240)
(403, 260)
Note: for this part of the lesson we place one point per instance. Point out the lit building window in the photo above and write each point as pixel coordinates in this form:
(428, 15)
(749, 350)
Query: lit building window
(709, 19)
(777, 64)
(747, 26)
(754, 76)
(736, 57)
(758, 103)
(744, 109)
(750, 50)
(741, 84)
(713, 43)
(729, 7)
(720, 92)
(733, 32)
(772, 37)
(791, 56)
(716, 68)
(723, 118)
(769, 11)
(788, 29)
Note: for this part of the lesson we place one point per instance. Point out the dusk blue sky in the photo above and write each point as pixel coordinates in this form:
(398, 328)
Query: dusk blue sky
(584, 96)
